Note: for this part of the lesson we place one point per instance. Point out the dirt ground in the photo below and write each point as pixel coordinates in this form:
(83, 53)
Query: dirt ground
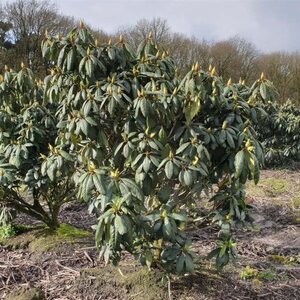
(268, 266)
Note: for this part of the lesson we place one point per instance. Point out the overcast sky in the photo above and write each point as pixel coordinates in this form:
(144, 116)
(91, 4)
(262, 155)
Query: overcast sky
(272, 25)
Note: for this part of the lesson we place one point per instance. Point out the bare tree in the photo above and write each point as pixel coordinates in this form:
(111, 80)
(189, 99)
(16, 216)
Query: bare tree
(23, 23)
(234, 58)
(295, 88)
(29, 19)
(32, 17)
(186, 51)
(246, 59)
(102, 36)
(158, 27)
(281, 68)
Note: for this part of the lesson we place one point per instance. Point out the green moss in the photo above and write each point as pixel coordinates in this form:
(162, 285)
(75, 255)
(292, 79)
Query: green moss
(26, 294)
(43, 239)
(48, 239)
(18, 242)
(44, 242)
(68, 231)
(147, 282)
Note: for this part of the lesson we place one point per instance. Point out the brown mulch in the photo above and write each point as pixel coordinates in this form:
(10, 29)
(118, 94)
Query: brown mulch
(55, 274)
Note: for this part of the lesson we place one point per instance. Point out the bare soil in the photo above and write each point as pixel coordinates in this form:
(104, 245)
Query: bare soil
(268, 266)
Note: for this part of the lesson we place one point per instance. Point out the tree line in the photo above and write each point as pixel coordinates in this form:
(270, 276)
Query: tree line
(24, 22)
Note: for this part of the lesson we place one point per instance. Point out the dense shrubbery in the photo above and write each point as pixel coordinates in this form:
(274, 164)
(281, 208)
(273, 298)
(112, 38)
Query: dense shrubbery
(280, 134)
(138, 142)
(28, 129)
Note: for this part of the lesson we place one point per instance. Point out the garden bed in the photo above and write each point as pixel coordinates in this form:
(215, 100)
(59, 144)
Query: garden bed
(268, 266)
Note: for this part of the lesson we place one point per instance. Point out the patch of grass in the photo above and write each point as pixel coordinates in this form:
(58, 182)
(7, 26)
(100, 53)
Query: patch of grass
(136, 283)
(7, 231)
(270, 187)
(278, 258)
(278, 185)
(285, 260)
(253, 228)
(296, 205)
(256, 275)
(297, 220)
(267, 276)
(257, 282)
(13, 230)
(296, 202)
(248, 273)
(26, 294)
